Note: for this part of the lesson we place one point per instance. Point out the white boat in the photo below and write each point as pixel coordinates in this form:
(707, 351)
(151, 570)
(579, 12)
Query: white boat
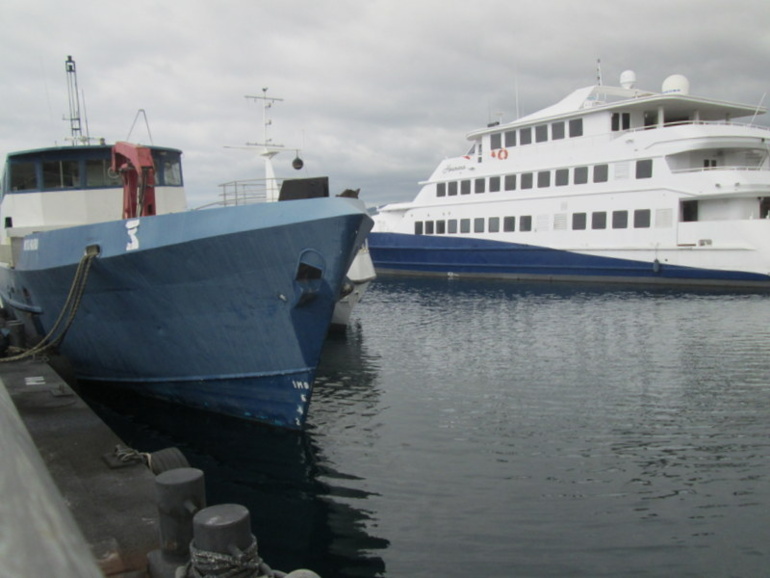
(613, 184)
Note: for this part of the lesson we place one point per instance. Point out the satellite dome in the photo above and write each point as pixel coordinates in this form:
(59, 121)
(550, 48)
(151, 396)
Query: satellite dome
(628, 79)
(676, 84)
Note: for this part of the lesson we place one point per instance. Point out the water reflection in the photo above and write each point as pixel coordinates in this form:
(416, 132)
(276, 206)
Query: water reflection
(306, 511)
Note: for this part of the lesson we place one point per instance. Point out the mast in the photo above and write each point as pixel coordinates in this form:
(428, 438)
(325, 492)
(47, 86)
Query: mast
(269, 149)
(74, 102)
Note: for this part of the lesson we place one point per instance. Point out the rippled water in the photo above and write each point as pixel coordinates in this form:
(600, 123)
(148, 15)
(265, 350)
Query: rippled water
(500, 429)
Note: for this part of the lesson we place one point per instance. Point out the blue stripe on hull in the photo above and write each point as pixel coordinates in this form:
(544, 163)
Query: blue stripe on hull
(437, 255)
(211, 311)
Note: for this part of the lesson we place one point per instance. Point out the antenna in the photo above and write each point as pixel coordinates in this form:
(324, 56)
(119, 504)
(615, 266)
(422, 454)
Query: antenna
(74, 100)
(598, 71)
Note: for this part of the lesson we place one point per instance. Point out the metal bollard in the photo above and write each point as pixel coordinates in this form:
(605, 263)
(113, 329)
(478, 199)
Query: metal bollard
(181, 494)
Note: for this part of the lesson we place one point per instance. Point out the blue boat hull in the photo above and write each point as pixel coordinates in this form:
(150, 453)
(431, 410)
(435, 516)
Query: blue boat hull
(394, 253)
(224, 309)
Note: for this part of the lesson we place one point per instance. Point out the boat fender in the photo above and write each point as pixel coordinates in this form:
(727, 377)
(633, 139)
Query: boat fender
(502, 154)
(656, 266)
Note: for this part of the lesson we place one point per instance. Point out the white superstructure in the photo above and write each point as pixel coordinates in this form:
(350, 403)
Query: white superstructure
(611, 182)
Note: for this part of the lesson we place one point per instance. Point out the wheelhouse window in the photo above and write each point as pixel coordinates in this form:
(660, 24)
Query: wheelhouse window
(441, 189)
(510, 138)
(23, 176)
(479, 185)
(98, 174)
(541, 133)
(495, 140)
(644, 169)
(557, 130)
(525, 136)
(621, 121)
(61, 174)
(465, 187)
(453, 189)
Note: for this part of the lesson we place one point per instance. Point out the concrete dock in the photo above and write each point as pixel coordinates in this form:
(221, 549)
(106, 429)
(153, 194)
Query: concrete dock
(114, 508)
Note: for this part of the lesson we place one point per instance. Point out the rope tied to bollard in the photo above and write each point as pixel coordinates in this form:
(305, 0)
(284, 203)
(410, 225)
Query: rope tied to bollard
(241, 564)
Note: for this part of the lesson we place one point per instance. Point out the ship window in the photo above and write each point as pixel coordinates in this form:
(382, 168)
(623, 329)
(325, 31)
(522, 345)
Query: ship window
(440, 189)
(543, 179)
(171, 172)
(541, 133)
(478, 225)
(576, 127)
(526, 180)
(601, 173)
(453, 188)
(418, 227)
(440, 227)
(510, 138)
(599, 220)
(478, 185)
(644, 169)
(525, 136)
(23, 176)
(494, 184)
(562, 177)
(525, 223)
(642, 218)
(581, 175)
(557, 130)
(578, 221)
(509, 224)
(97, 174)
(61, 174)
(510, 182)
(494, 224)
(452, 226)
(619, 219)
(465, 225)
(428, 227)
(465, 187)
(495, 141)
(621, 121)
(689, 211)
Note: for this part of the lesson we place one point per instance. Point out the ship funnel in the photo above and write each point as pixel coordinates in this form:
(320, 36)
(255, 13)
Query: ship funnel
(628, 79)
(676, 84)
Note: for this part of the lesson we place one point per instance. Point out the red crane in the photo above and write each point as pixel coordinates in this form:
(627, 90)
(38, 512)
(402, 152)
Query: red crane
(134, 164)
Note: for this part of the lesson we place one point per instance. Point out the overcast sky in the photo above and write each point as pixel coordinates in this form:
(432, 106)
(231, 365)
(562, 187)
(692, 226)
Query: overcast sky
(376, 92)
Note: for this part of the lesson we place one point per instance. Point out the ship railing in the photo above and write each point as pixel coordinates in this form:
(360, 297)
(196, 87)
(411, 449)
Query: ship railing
(718, 168)
(244, 192)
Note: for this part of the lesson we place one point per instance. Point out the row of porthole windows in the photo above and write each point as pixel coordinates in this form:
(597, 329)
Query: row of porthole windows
(640, 219)
(541, 179)
(540, 133)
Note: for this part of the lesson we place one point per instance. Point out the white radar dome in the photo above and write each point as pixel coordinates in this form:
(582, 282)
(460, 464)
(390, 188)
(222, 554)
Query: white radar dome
(628, 79)
(676, 84)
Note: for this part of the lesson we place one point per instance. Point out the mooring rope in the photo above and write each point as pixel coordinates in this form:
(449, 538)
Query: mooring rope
(246, 564)
(70, 308)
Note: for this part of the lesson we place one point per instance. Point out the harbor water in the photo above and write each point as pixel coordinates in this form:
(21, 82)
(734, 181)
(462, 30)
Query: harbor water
(494, 429)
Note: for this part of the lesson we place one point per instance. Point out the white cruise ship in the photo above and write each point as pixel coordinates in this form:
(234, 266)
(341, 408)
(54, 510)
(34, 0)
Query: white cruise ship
(611, 184)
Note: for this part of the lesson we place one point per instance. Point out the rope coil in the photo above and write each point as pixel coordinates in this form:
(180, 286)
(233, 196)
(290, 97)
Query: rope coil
(245, 564)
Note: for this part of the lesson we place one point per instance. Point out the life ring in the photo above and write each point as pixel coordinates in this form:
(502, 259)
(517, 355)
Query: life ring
(502, 154)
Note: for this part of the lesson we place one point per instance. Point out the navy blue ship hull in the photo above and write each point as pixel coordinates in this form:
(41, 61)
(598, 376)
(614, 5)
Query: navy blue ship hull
(394, 253)
(223, 309)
